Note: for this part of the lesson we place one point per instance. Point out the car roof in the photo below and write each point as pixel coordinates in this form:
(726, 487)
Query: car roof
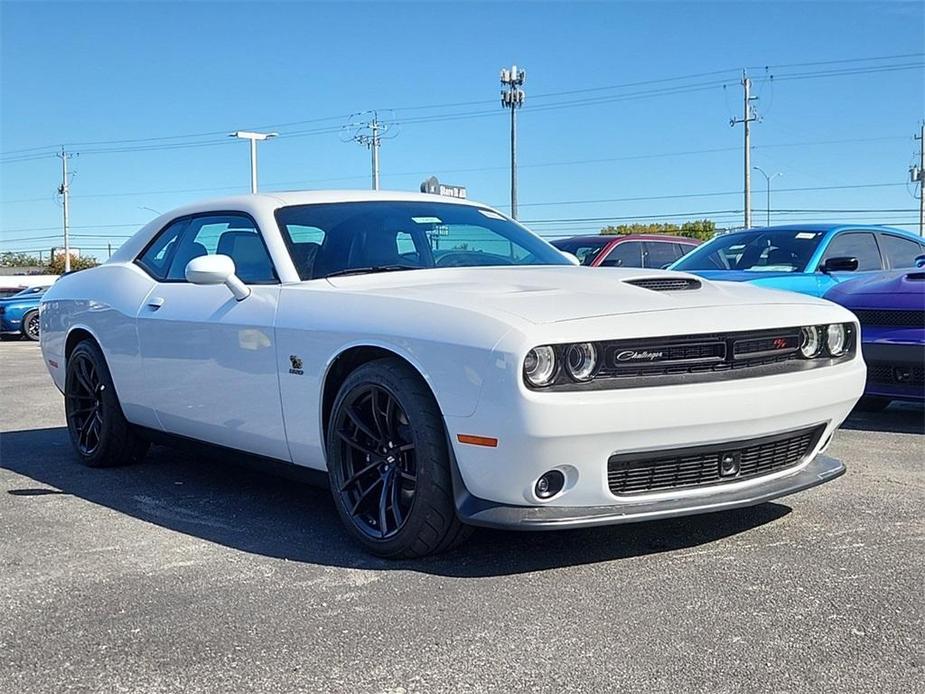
(825, 228)
(591, 238)
(277, 199)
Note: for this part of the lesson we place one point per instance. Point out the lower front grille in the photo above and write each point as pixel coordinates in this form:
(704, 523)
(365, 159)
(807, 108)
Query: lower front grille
(699, 466)
(893, 374)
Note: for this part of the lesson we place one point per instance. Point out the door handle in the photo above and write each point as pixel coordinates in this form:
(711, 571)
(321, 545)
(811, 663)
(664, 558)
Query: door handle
(155, 303)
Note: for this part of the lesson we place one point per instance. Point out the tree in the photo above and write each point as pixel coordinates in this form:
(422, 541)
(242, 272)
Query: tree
(702, 229)
(12, 259)
(56, 266)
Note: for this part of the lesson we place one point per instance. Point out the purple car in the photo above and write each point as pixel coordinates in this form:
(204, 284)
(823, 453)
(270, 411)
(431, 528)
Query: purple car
(891, 309)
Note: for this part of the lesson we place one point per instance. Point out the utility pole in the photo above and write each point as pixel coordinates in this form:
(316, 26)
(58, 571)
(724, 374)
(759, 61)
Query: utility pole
(917, 175)
(374, 149)
(748, 116)
(64, 191)
(512, 97)
(253, 137)
(369, 133)
(768, 181)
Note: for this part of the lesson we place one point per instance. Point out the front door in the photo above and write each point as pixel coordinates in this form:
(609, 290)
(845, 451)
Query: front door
(851, 244)
(209, 360)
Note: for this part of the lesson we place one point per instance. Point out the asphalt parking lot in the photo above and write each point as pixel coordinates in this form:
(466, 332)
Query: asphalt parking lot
(195, 575)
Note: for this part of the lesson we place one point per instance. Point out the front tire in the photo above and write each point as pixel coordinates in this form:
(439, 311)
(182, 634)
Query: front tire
(389, 463)
(99, 432)
(30, 325)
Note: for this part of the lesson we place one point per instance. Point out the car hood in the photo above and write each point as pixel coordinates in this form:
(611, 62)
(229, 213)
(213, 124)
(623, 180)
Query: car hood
(20, 301)
(550, 294)
(908, 281)
(740, 275)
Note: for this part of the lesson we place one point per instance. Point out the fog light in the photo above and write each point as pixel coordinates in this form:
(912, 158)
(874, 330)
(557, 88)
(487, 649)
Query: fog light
(549, 484)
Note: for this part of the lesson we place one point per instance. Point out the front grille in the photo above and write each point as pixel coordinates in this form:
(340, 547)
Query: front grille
(699, 466)
(893, 375)
(912, 318)
(688, 354)
(666, 284)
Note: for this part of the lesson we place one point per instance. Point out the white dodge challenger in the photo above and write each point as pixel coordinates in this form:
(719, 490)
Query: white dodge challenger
(446, 367)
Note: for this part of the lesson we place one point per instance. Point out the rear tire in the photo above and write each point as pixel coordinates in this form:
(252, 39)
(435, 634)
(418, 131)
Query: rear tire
(389, 463)
(30, 325)
(871, 403)
(99, 432)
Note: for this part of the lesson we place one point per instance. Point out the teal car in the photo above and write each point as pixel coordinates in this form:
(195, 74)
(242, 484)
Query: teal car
(805, 258)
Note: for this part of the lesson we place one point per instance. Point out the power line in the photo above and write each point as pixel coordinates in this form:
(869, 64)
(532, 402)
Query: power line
(151, 143)
(703, 195)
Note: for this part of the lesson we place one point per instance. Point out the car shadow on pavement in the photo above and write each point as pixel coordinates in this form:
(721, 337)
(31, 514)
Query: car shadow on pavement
(898, 418)
(252, 511)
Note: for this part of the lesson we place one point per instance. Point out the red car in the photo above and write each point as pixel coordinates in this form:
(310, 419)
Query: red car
(634, 250)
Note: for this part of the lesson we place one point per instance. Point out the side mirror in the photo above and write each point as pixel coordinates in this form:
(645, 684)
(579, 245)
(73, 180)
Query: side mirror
(571, 257)
(919, 261)
(839, 264)
(216, 269)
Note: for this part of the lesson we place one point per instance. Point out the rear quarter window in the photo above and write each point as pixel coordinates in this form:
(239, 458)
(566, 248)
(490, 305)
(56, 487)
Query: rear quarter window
(900, 252)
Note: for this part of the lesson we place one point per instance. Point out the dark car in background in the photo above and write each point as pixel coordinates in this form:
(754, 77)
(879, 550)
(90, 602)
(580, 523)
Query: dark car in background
(891, 309)
(633, 250)
(19, 314)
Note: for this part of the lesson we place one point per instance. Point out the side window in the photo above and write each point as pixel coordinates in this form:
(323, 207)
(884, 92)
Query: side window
(225, 234)
(661, 253)
(626, 254)
(855, 244)
(406, 247)
(900, 252)
(304, 244)
(157, 256)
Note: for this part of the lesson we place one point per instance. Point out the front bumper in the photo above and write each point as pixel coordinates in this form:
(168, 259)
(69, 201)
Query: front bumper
(895, 369)
(577, 433)
(475, 511)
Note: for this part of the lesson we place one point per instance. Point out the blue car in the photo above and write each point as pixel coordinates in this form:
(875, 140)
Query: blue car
(805, 258)
(19, 314)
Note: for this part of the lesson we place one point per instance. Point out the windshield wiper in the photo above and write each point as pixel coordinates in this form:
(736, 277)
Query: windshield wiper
(369, 270)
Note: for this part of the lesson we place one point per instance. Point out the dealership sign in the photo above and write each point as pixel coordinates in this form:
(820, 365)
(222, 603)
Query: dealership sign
(435, 187)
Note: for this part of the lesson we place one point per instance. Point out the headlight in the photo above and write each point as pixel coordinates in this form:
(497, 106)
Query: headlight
(540, 366)
(581, 360)
(811, 342)
(836, 339)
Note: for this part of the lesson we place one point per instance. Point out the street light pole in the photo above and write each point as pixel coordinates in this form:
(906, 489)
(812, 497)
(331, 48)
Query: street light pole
(253, 137)
(768, 181)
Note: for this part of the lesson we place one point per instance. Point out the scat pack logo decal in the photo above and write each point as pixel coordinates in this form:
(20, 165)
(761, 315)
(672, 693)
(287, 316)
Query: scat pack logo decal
(295, 365)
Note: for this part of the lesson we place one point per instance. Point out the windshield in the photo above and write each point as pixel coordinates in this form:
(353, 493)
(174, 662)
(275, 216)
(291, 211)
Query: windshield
(340, 238)
(763, 251)
(585, 249)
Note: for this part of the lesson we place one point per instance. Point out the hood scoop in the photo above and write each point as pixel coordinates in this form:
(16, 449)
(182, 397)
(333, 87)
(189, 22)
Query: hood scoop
(915, 276)
(666, 284)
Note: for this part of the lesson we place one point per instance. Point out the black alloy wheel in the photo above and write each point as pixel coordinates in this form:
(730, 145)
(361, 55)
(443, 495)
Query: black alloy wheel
(377, 460)
(99, 432)
(85, 403)
(30, 325)
(389, 463)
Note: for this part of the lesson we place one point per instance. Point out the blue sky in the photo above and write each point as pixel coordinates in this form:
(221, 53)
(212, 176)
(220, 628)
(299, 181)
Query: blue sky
(81, 73)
